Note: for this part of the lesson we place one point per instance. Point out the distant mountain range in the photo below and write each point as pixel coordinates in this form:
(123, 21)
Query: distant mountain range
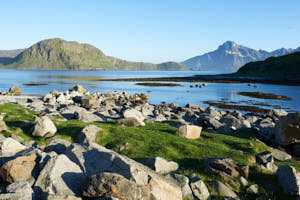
(230, 57)
(58, 54)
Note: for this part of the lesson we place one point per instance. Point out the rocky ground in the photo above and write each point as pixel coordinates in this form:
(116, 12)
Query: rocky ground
(77, 145)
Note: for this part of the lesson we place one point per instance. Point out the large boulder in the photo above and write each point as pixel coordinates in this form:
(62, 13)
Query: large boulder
(189, 131)
(264, 157)
(88, 133)
(133, 113)
(90, 101)
(288, 129)
(113, 185)
(289, 179)
(15, 90)
(60, 176)
(20, 168)
(57, 145)
(93, 159)
(44, 126)
(160, 165)
(199, 189)
(18, 191)
(10, 145)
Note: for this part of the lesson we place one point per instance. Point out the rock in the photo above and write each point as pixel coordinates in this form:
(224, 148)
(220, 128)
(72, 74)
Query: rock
(277, 113)
(88, 134)
(264, 157)
(113, 185)
(10, 145)
(2, 126)
(195, 107)
(160, 165)
(37, 105)
(89, 101)
(223, 190)
(61, 197)
(60, 176)
(18, 191)
(289, 179)
(93, 159)
(189, 131)
(199, 189)
(268, 166)
(243, 181)
(253, 189)
(147, 110)
(19, 169)
(130, 122)
(16, 137)
(44, 126)
(15, 90)
(159, 118)
(87, 117)
(288, 129)
(132, 113)
(280, 155)
(57, 145)
(183, 183)
(78, 88)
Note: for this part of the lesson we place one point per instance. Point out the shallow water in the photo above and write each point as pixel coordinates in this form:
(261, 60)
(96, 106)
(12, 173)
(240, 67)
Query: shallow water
(63, 80)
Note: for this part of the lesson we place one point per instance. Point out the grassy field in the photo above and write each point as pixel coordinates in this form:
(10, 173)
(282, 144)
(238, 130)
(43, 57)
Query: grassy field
(155, 139)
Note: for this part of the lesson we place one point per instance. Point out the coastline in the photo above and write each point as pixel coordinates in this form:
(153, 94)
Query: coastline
(216, 79)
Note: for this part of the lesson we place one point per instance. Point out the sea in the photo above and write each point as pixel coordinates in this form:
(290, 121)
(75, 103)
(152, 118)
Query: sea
(42, 82)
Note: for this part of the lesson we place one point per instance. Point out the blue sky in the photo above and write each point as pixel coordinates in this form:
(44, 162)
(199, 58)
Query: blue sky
(152, 30)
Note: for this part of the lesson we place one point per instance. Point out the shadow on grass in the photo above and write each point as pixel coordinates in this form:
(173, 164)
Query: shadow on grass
(239, 134)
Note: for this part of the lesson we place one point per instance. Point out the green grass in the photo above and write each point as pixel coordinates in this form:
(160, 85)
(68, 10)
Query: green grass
(155, 139)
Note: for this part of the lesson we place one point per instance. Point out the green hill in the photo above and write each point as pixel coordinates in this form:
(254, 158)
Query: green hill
(60, 54)
(287, 66)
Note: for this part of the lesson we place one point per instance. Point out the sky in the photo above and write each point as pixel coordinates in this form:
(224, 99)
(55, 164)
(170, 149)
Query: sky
(152, 30)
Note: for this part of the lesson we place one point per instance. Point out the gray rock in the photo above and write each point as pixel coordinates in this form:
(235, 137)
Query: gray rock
(223, 190)
(243, 181)
(60, 197)
(189, 131)
(269, 167)
(264, 157)
(9, 145)
(277, 113)
(132, 113)
(44, 126)
(130, 122)
(60, 176)
(159, 118)
(183, 183)
(93, 159)
(199, 189)
(253, 189)
(160, 165)
(87, 117)
(88, 134)
(280, 155)
(89, 101)
(57, 145)
(18, 191)
(288, 129)
(113, 185)
(289, 179)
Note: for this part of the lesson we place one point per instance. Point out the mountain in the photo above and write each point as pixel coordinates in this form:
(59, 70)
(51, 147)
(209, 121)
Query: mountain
(230, 56)
(60, 54)
(284, 67)
(10, 53)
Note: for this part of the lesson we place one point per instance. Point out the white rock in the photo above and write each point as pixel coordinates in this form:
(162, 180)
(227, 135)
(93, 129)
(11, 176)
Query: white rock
(44, 125)
(9, 145)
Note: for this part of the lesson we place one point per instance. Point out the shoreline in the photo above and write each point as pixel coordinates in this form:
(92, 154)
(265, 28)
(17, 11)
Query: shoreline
(214, 79)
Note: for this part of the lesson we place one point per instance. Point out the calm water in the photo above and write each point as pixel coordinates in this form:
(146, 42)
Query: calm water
(63, 80)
